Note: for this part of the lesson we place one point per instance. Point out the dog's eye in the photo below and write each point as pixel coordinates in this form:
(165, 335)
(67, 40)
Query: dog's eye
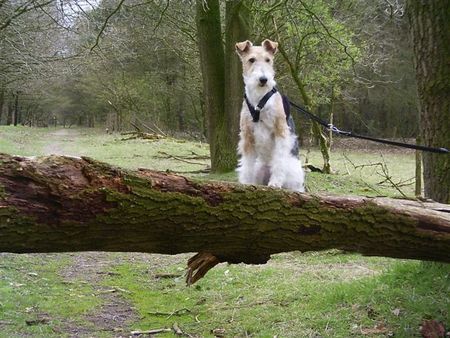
(251, 60)
(267, 60)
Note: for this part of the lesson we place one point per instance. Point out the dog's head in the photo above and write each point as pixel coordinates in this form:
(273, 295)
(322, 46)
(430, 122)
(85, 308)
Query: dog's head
(257, 63)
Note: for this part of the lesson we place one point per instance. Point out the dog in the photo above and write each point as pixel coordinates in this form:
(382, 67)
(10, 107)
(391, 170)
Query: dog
(268, 146)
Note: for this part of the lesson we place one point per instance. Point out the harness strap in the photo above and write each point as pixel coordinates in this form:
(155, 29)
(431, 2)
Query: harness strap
(255, 111)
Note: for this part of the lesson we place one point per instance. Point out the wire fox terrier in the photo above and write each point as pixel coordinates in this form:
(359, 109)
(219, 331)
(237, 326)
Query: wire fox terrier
(268, 146)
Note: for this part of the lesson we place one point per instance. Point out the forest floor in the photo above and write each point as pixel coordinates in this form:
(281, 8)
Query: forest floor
(316, 294)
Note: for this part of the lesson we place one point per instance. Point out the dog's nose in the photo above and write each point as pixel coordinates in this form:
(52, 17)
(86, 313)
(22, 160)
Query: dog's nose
(263, 80)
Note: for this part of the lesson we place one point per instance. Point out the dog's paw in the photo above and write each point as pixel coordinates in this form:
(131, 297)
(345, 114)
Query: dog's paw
(275, 184)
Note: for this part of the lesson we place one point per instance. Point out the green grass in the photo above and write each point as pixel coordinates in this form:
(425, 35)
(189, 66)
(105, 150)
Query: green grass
(328, 294)
(31, 289)
(138, 153)
(23, 140)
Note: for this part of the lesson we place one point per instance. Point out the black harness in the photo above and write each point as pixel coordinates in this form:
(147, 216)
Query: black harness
(255, 111)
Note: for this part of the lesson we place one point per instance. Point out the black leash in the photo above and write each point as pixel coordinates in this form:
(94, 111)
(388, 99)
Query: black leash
(335, 130)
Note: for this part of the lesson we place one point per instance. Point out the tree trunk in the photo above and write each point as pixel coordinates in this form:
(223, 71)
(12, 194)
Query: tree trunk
(430, 29)
(2, 102)
(418, 171)
(213, 72)
(16, 109)
(237, 17)
(58, 204)
(9, 115)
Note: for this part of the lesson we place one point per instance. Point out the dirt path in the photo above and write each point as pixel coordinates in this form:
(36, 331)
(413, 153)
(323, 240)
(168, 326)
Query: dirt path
(56, 140)
(116, 314)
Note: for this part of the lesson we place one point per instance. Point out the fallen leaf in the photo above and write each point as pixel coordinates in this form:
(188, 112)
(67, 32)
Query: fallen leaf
(30, 309)
(377, 329)
(396, 312)
(37, 321)
(219, 332)
(432, 329)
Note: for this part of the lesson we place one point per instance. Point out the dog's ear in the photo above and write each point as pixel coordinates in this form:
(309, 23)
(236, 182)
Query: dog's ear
(270, 46)
(243, 47)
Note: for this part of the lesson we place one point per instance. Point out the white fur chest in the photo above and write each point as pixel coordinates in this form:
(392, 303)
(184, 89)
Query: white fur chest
(263, 131)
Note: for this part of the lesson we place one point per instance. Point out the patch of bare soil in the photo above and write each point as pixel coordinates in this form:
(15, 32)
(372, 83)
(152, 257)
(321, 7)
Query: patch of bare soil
(56, 140)
(115, 314)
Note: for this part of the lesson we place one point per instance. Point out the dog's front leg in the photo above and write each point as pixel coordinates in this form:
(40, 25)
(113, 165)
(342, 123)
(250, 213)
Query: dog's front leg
(247, 162)
(247, 152)
(246, 169)
(277, 170)
(280, 154)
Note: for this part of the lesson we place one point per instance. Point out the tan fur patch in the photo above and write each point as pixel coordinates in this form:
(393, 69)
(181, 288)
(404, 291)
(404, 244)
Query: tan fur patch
(247, 136)
(281, 128)
(249, 142)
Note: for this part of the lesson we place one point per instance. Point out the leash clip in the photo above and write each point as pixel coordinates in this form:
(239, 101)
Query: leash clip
(333, 128)
(336, 130)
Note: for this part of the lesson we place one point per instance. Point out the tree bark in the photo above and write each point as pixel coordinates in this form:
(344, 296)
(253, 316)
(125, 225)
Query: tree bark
(2, 102)
(9, 115)
(213, 73)
(221, 73)
(430, 31)
(59, 204)
(16, 109)
(237, 18)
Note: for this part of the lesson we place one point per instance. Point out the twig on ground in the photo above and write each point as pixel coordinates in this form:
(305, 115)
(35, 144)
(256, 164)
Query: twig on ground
(199, 157)
(384, 173)
(178, 158)
(154, 331)
(178, 331)
(158, 130)
(136, 127)
(388, 177)
(114, 289)
(166, 275)
(139, 134)
(179, 312)
(38, 321)
(207, 170)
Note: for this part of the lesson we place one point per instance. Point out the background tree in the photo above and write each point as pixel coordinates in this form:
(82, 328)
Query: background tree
(121, 64)
(222, 81)
(430, 31)
(318, 53)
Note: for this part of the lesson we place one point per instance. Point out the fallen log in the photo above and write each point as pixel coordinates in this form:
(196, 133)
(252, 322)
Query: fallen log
(60, 204)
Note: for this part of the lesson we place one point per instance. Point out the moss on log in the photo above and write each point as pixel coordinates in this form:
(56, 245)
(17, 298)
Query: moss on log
(59, 204)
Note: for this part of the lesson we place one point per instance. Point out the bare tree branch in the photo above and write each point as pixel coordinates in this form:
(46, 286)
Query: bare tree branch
(105, 23)
(22, 10)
